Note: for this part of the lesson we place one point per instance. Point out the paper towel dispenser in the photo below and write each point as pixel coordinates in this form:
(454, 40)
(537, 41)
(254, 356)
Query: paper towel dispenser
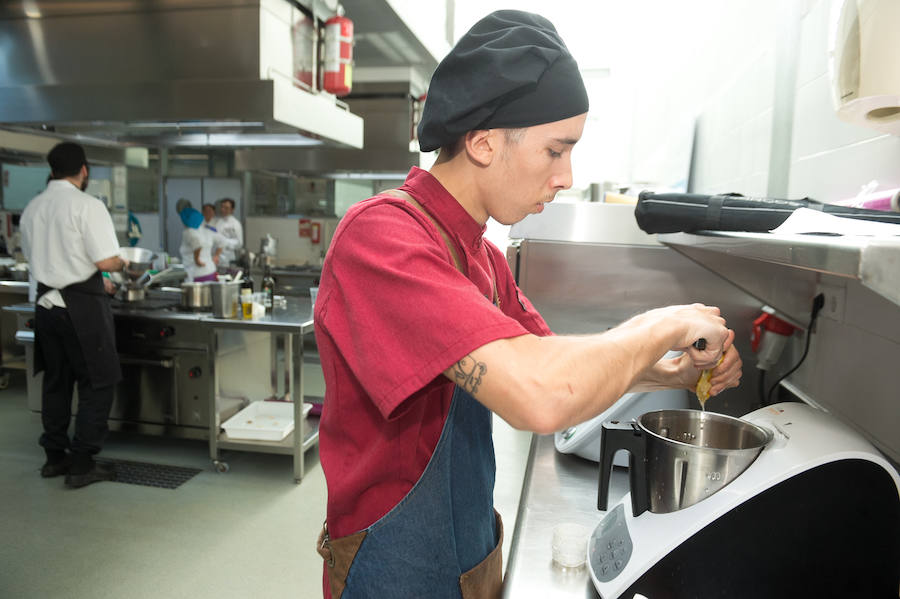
(864, 63)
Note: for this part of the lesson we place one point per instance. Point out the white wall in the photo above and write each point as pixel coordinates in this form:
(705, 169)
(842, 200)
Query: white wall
(831, 159)
(292, 249)
(722, 76)
(756, 55)
(753, 76)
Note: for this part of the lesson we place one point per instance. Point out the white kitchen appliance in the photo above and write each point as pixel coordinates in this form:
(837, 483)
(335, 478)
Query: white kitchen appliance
(817, 514)
(584, 439)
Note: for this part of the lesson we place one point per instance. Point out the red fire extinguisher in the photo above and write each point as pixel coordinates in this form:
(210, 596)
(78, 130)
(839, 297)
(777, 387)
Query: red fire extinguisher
(337, 71)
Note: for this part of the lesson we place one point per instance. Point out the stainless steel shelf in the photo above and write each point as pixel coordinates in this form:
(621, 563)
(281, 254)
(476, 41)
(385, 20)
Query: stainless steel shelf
(873, 261)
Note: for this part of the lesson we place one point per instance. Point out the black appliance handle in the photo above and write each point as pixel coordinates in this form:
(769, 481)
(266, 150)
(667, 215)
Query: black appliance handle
(628, 436)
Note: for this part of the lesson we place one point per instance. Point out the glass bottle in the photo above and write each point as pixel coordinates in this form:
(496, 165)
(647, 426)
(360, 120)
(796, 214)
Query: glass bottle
(268, 288)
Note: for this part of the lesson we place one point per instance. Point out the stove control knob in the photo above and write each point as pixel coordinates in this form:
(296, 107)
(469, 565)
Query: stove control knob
(195, 372)
(29, 324)
(166, 332)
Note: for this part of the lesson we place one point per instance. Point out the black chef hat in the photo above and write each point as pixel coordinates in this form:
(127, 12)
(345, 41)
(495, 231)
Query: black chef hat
(66, 159)
(510, 70)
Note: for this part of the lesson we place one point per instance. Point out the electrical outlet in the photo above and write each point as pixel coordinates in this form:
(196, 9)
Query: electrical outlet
(835, 301)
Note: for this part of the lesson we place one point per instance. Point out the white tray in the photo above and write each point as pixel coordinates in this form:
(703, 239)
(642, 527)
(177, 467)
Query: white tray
(263, 421)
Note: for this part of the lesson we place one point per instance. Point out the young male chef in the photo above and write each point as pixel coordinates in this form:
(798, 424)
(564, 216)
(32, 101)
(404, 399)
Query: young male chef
(422, 331)
(68, 238)
(229, 226)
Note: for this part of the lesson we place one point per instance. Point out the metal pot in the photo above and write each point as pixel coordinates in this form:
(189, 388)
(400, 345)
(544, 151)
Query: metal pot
(196, 295)
(225, 299)
(679, 457)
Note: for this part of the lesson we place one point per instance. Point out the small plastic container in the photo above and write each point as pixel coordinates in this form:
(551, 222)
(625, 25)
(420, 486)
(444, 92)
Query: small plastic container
(263, 421)
(570, 544)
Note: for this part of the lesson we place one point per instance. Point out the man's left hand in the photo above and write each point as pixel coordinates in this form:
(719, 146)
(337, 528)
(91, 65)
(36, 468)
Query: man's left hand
(725, 375)
(109, 286)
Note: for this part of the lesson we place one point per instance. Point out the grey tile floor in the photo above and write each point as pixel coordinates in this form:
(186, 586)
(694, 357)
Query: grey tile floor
(248, 533)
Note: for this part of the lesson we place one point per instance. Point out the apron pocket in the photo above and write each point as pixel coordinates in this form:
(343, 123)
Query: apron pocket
(485, 581)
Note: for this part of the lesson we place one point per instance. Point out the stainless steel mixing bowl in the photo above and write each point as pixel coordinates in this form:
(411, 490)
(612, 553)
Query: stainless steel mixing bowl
(139, 261)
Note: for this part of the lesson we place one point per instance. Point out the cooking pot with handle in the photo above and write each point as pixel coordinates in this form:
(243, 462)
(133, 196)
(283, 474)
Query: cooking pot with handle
(196, 295)
(678, 457)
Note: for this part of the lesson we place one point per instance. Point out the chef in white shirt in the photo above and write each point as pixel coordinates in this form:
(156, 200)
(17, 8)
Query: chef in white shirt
(201, 247)
(68, 238)
(229, 226)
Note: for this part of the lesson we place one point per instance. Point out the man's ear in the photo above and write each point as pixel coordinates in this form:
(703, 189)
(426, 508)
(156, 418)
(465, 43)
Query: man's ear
(482, 145)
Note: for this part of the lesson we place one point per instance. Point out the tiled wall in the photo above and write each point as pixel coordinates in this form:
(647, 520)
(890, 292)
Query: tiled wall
(831, 159)
(723, 81)
(732, 85)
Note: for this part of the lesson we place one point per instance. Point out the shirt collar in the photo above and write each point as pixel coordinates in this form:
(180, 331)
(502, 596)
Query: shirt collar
(445, 208)
(61, 183)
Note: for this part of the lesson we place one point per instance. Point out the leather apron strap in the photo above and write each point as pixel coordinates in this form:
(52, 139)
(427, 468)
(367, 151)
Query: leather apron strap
(450, 247)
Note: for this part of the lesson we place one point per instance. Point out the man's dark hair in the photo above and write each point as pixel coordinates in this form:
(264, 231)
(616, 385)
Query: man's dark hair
(229, 200)
(66, 159)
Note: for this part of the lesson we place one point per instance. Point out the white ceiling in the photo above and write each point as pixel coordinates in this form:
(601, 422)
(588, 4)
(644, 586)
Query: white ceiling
(621, 35)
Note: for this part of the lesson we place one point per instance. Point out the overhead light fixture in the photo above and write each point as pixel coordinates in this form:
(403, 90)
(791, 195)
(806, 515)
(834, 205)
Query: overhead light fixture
(365, 175)
(192, 124)
(238, 140)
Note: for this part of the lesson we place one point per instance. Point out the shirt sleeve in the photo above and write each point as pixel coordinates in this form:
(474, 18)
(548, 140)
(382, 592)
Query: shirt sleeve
(397, 309)
(99, 234)
(225, 242)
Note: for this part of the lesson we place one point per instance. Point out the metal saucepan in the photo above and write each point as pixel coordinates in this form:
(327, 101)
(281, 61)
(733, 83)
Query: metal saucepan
(196, 295)
(679, 457)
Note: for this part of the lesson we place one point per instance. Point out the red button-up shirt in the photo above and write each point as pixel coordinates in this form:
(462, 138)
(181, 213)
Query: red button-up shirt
(392, 314)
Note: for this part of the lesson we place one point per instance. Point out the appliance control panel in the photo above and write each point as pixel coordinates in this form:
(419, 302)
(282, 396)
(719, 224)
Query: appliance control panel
(610, 546)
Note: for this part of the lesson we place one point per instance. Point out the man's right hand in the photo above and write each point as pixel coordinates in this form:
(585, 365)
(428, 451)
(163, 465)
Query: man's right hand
(112, 264)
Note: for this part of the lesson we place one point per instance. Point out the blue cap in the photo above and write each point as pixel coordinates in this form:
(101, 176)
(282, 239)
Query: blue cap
(191, 218)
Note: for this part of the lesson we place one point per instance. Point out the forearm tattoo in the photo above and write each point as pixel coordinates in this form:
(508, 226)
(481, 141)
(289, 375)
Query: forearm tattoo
(468, 373)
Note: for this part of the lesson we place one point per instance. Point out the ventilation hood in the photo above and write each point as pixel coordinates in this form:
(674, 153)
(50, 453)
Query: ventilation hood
(163, 73)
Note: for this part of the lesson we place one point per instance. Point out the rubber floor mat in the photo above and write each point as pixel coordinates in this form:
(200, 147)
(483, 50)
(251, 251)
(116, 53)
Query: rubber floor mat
(150, 475)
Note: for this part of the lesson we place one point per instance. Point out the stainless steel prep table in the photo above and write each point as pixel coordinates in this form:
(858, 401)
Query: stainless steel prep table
(11, 292)
(557, 488)
(290, 324)
(285, 326)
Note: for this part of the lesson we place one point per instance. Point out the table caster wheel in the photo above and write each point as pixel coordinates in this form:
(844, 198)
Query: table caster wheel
(221, 467)
(4, 380)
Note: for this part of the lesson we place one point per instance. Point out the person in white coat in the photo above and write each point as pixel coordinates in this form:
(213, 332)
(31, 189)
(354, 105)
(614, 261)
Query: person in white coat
(68, 238)
(201, 247)
(229, 226)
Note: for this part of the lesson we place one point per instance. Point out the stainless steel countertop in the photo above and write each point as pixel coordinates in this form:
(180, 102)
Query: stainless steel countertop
(557, 488)
(18, 287)
(296, 317)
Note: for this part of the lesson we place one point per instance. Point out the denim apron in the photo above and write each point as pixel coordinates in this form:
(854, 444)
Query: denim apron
(443, 540)
(446, 525)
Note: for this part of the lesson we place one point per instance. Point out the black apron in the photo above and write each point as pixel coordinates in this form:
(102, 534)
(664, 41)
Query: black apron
(89, 308)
